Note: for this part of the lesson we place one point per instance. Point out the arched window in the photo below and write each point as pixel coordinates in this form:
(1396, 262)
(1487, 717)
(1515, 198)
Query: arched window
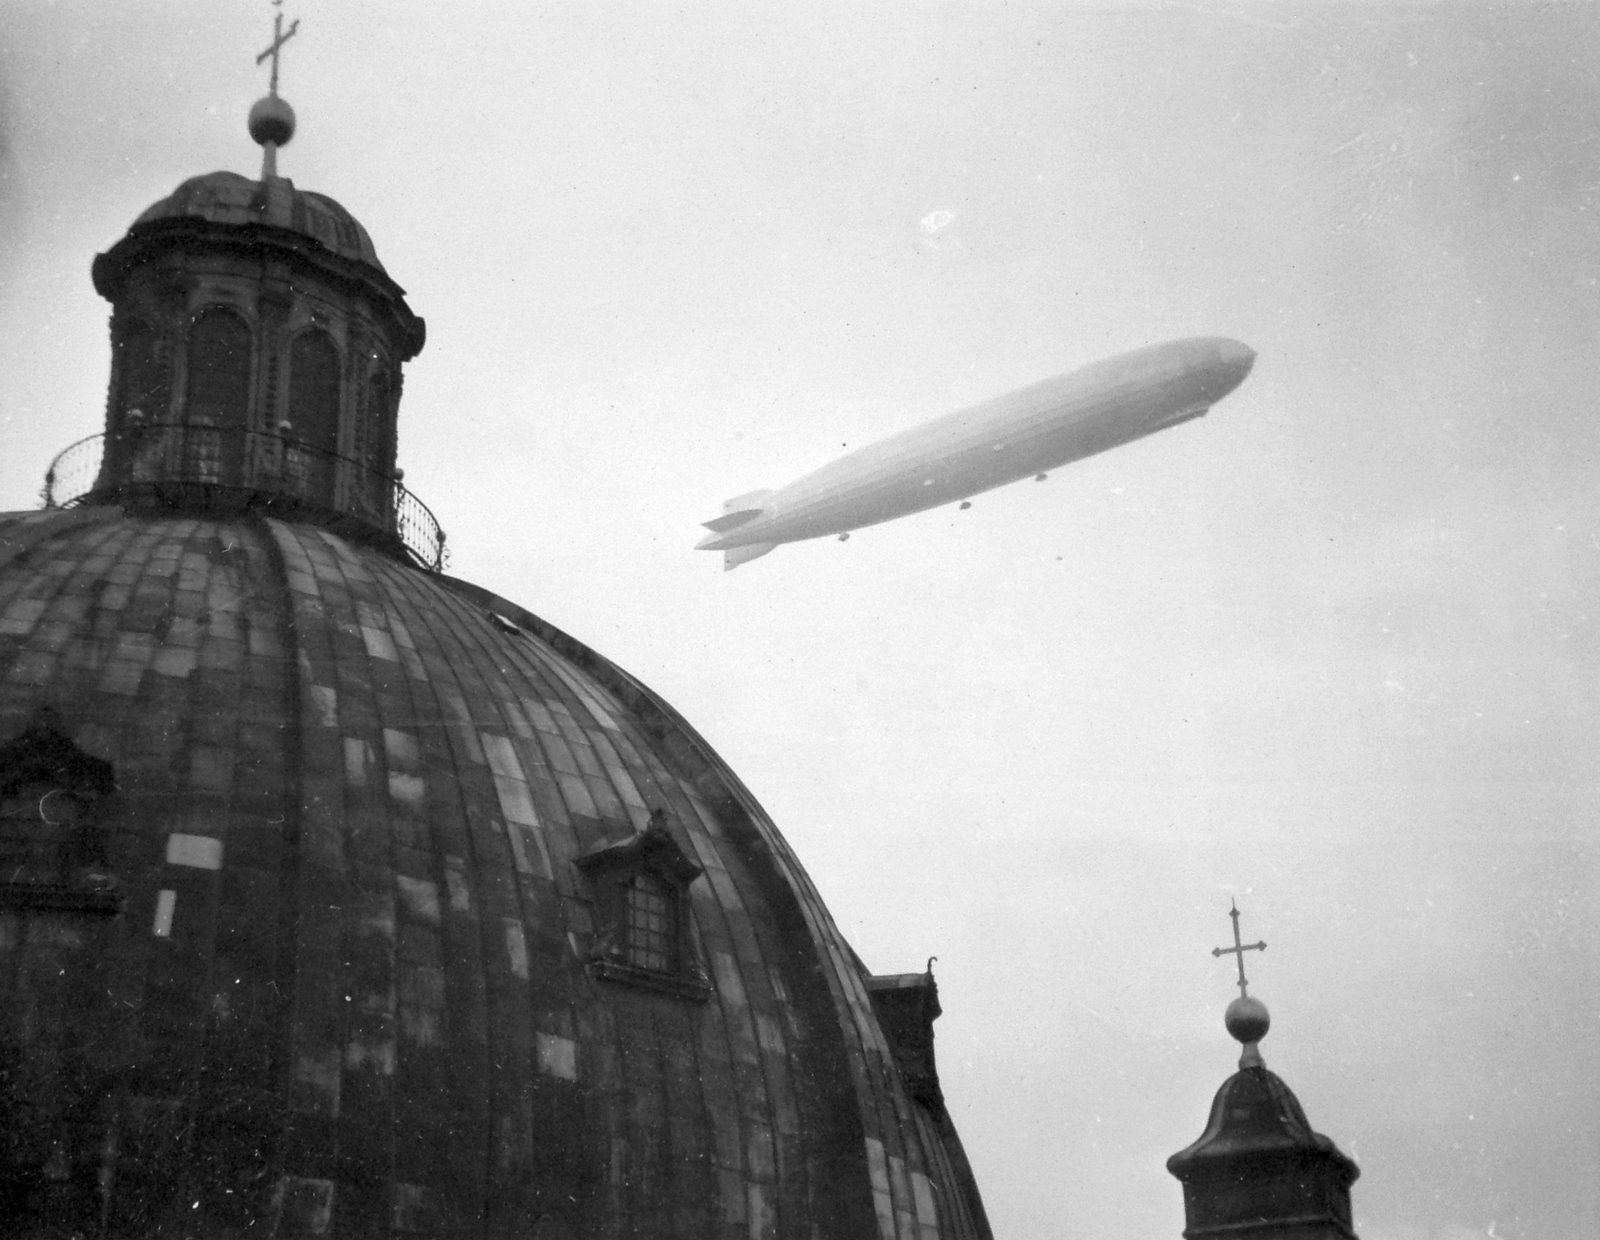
(146, 376)
(219, 370)
(217, 398)
(141, 401)
(381, 397)
(314, 390)
(377, 439)
(374, 443)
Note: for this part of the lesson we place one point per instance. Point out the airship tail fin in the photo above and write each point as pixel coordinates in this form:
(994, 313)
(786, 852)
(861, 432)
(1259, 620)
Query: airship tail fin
(737, 511)
(735, 556)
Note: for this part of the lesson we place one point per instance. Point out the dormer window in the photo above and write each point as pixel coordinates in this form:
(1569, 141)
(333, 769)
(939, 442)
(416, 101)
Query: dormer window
(52, 847)
(642, 930)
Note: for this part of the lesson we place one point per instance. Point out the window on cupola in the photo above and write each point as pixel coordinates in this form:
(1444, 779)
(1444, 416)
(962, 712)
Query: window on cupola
(217, 395)
(311, 439)
(139, 416)
(375, 443)
(146, 376)
(314, 391)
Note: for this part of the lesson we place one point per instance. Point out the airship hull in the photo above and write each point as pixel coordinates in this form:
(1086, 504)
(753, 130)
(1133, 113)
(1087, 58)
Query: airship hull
(1021, 434)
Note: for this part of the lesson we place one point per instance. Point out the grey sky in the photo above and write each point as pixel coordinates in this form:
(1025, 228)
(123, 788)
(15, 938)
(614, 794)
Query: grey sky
(1331, 650)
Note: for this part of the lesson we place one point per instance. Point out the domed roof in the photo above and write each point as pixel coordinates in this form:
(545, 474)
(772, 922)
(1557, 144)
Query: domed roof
(1260, 1170)
(432, 919)
(228, 198)
(1255, 1115)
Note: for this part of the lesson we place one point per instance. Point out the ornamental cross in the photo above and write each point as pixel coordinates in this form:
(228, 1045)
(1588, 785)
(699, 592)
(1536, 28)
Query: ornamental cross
(279, 38)
(1238, 950)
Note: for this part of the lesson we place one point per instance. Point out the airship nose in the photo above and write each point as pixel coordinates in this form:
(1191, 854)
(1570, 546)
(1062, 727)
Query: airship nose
(1233, 353)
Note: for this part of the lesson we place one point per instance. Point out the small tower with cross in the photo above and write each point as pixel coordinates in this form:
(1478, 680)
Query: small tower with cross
(1258, 1171)
(257, 345)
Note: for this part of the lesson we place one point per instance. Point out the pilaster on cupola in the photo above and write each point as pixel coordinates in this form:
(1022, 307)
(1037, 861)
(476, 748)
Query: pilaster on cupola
(1258, 1171)
(256, 353)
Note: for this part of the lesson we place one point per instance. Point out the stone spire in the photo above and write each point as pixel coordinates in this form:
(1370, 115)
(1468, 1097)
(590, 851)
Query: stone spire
(1258, 1171)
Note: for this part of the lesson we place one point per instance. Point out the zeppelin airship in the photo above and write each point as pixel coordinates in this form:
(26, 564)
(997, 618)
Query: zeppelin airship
(1022, 434)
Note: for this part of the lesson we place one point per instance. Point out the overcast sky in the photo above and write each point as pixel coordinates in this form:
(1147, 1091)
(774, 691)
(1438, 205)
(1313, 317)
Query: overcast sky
(1331, 651)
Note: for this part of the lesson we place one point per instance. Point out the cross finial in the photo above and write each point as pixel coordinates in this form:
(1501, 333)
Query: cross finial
(1238, 950)
(279, 38)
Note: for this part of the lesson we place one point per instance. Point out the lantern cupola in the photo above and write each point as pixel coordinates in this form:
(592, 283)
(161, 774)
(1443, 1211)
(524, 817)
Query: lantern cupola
(256, 352)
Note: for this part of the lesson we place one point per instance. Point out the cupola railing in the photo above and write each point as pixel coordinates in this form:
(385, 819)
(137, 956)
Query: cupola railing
(179, 465)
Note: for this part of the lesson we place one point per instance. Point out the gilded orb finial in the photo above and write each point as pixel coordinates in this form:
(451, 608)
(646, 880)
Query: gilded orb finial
(272, 119)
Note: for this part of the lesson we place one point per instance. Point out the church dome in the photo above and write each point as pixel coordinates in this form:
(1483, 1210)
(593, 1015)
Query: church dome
(339, 897)
(228, 198)
(402, 912)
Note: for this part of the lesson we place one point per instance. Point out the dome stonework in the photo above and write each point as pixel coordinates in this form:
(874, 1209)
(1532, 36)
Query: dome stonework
(367, 977)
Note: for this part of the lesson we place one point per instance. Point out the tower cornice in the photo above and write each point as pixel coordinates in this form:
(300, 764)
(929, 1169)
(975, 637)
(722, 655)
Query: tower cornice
(149, 242)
